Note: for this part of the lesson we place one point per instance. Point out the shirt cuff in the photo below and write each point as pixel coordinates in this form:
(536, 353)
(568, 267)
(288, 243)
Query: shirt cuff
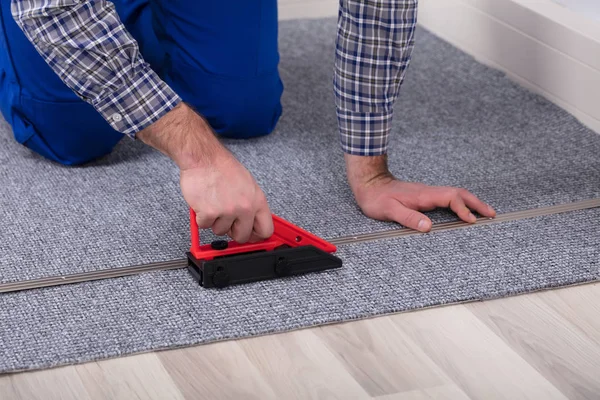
(364, 134)
(144, 99)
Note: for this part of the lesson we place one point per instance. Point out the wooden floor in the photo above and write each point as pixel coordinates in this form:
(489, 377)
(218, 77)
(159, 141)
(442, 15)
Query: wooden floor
(539, 346)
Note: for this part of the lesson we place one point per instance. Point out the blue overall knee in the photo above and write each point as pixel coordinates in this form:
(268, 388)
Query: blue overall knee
(45, 115)
(222, 58)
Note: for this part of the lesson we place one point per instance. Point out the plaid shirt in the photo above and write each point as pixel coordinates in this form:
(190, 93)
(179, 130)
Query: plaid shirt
(85, 43)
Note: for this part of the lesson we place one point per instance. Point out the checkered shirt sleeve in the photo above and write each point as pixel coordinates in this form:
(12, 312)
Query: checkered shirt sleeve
(89, 48)
(373, 50)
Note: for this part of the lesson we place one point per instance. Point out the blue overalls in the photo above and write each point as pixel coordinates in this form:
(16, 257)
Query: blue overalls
(221, 57)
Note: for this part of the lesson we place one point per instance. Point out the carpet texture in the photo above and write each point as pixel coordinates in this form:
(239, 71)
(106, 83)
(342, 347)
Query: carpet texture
(457, 123)
(93, 320)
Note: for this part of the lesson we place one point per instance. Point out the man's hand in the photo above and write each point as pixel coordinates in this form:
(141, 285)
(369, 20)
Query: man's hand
(223, 193)
(382, 197)
(227, 199)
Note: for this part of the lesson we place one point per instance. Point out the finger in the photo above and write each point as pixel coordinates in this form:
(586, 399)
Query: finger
(254, 238)
(263, 224)
(436, 197)
(460, 208)
(205, 219)
(242, 229)
(407, 217)
(477, 205)
(222, 225)
(447, 197)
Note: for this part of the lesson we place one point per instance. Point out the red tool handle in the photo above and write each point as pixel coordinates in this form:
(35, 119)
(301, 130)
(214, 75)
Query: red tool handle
(284, 233)
(195, 233)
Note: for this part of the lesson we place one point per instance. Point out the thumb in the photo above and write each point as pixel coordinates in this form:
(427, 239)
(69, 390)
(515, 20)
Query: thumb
(407, 217)
(263, 224)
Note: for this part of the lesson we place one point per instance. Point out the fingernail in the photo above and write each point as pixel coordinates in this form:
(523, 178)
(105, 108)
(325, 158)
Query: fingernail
(422, 224)
(472, 217)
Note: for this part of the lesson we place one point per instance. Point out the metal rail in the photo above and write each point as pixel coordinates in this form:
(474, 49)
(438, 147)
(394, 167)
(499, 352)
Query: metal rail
(91, 276)
(339, 241)
(445, 226)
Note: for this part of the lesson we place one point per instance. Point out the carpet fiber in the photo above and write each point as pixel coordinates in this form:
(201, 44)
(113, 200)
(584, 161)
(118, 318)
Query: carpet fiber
(457, 123)
(115, 317)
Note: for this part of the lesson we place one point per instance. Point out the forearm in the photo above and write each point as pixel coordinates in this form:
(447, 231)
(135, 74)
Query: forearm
(373, 50)
(185, 137)
(89, 48)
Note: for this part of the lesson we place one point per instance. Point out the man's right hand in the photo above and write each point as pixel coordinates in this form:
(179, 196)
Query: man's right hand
(227, 199)
(221, 191)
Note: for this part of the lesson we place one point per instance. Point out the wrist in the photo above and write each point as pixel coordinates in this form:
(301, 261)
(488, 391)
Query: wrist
(185, 137)
(364, 171)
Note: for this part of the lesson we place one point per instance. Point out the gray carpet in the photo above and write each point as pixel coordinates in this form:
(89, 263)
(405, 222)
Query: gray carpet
(457, 123)
(101, 319)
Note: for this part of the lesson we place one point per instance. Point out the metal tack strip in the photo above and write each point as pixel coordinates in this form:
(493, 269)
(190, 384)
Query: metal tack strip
(395, 233)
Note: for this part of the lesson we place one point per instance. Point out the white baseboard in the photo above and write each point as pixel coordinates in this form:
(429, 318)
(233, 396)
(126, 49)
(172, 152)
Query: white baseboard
(292, 9)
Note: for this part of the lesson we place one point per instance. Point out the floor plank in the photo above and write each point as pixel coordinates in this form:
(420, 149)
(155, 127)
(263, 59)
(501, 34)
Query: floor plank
(7, 388)
(580, 306)
(380, 357)
(58, 383)
(446, 392)
(136, 377)
(478, 361)
(298, 365)
(550, 343)
(542, 345)
(215, 371)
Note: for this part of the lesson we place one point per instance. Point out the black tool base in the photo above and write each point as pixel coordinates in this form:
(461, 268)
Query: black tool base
(251, 267)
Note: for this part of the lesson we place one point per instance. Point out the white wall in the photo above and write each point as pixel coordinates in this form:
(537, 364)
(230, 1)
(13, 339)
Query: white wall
(542, 45)
(589, 8)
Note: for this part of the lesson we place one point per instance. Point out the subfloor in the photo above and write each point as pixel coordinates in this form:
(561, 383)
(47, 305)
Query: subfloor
(543, 345)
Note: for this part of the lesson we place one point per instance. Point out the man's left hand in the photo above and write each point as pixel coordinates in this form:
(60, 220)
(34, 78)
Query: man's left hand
(383, 197)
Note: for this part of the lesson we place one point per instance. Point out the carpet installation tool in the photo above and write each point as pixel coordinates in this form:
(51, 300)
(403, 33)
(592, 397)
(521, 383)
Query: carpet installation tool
(289, 251)
(287, 235)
